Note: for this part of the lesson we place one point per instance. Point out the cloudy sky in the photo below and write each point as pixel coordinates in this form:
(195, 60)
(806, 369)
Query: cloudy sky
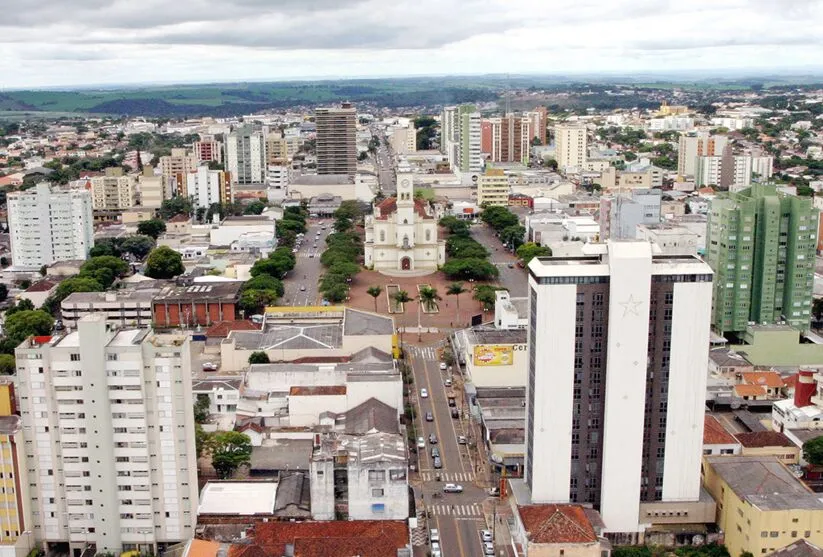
(92, 42)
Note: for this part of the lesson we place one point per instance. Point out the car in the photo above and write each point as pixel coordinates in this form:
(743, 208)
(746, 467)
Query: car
(421, 443)
(322, 228)
(424, 393)
(452, 488)
(455, 413)
(452, 401)
(302, 288)
(447, 382)
(311, 256)
(486, 536)
(432, 439)
(294, 250)
(209, 366)
(429, 417)
(494, 492)
(443, 366)
(435, 452)
(434, 535)
(461, 439)
(488, 548)
(436, 550)
(510, 265)
(437, 464)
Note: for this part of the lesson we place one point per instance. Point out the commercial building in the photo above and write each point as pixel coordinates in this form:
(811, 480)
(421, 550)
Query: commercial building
(336, 142)
(198, 304)
(403, 139)
(48, 225)
(761, 505)
(557, 530)
(697, 144)
(511, 138)
(617, 356)
(206, 187)
(493, 188)
(207, 150)
(493, 357)
(761, 244)
(112, 461)
(114, 191)
(570, 145)
(125, 309)
(246, 156)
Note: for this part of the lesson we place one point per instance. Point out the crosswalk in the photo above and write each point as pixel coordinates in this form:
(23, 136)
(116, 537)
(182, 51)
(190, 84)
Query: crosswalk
(473, 510)
(425, 352)
(305, 255)
(447, 477)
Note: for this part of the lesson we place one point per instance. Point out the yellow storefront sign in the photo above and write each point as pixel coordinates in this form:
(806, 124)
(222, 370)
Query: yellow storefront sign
(493, 355)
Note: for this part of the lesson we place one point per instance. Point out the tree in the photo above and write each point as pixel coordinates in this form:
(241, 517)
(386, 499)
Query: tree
(513, 235)
(455, 226)
(813, 451)
(230, 450)
(402, 297)
(69, 286)
(264, 282)
(138, 245)
(499, 217)
(164, 263)
(8, 365)
(153, 228)
(254, 208)
(336, 293)
(201, 408)
(374, 292)
(252, 302)
(485, 294)
(202, 439)
(104, 269)
(528, 251)
(23, 305)
(455, 289)
(176, 206)
(4, 292)
(470, 269)
(259, 357)
(429, 297)
(23, 324)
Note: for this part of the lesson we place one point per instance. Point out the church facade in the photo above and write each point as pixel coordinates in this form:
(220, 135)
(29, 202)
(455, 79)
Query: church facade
(401, 235)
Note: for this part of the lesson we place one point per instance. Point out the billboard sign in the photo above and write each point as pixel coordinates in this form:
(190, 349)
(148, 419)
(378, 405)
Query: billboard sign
(493, 355)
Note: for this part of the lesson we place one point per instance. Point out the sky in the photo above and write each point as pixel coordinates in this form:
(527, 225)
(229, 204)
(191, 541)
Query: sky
(49, 43)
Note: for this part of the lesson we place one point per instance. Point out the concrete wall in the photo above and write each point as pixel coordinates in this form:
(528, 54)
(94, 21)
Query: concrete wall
(306, 410)
(362, 494)
(515, 375)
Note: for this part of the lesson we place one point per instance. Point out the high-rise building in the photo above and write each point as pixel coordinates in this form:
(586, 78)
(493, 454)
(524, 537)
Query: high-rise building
(620, 214)
(570, 145)
(449, 128)
(48, 225)
(735, 171)
(763, 167)
(469, 157)
(618, 341)
(207, 150)
(538, 118)
(246, 156)
(112, 459)
(511, 138)
(114, 191)
(277, 149)
(152, 190)
(403, 139)
(761, 244)
(336, 140)
(15, 502)
(177, 164)
(493, 188)
(206, 187)
(698, 144)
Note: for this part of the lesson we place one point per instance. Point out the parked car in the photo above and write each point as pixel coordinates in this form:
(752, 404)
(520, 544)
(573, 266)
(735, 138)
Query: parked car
(447, 382)
(511, 265)
(486, 535)
(435, 452)
(452, 488)
(434, 535)
(455, 413)
(433, 439)
(429, 417)
(424, 393)
(436, 550)
(488, 548)
(437, 463)
(461, 439)
(209, 366)
(421, 443)
(443, 366)
(302, 288)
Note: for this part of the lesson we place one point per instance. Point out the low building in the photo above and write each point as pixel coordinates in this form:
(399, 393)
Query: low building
(199, 304)
(493, 188)
(716, 440)
(801, 412)
(558, 531)
(124, 308)
(233, 498)
(761, 505)
(324, 204)
(510, 313)
(493, 357)
(38, 292)
(769, 443)
(800, 548)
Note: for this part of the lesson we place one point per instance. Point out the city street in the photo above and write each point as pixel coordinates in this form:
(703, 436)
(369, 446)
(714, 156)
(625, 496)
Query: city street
(307, 269)
(385, 165)
(514, 278)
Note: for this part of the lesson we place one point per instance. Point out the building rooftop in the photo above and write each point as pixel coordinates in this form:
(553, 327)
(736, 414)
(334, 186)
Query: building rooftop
(545, 524)
(293, 498)
(715, 434)
(723, 357)
(371, 416)
(282, 454)
(478, 335)
(764, 482)
(224, 291)
(357, 322)
(238, 498)
(322, 179)
(9, 425)
(118, 297)
(291, 337)
(229, 384)
(318, 390)
(760, 439)
(800, 548)
(42, 286)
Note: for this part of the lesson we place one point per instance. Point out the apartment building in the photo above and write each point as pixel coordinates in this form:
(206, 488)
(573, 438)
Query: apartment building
(114, 192)
(538, 118)
(179, 162)
(570, 145)
(403, 139)
(763, 166)
(111, 463)
(728, 171)
(469, 157)
(207, 150)
(621, 214)
(206, 187)
(511, 138)
(336, 141)
(121, 308)
(618, 344)
(697, 144)
(16, 535)
(761, 244)
(48, 225)
(152, 190)
(277, 149)
(246, 156)
(493, 188)
(449, 129)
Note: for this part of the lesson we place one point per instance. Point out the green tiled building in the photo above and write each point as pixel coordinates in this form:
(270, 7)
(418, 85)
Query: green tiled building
(761, 245)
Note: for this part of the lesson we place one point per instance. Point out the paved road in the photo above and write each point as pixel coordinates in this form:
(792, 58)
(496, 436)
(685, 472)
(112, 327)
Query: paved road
(458, 517)
(307, 269)
(514, 278)
(385, 164)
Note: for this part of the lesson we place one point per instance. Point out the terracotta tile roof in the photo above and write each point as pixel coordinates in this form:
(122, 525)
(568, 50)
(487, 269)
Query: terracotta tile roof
(791, 382)
(41, 286)
(749, 390)
(760, 439)
(202, 548)
(318, 390)
(180, 218)
(337, 538)
(770, 379)
(557, 524)
(715, 434)
(389, 206)
(223, 328)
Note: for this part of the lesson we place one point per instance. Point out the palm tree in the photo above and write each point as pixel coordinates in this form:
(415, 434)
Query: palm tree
(402, 297)
(374, 292)
(428, 296)
(455, 289)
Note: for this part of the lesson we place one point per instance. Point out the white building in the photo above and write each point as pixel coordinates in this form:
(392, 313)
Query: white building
(206, 187)
(694, 145)
(112, 453)
(48, 225)
(763, 166)
(510, 313)
(571, 145)
(403, 139)
(278, 176)
(469, 156)
(402, 232)
(669, 239)
(246, 156)
(618, 344)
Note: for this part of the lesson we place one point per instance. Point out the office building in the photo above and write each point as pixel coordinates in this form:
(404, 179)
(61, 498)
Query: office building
(48, 225)
(621, 214)
(493, 188)
(178, 163)
(207, 150)
(246, 156)
(115, 191)
(206, 187)
(697, 144)
(618, 344)
(761, 244)
(112, 463)
(469, 159)
(511, 138)
(570, 145)
(336, 142)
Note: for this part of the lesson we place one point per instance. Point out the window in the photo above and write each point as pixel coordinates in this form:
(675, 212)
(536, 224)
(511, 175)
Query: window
(111, 357)
(397, 475)
(75, 357)
(377, 475)
(377, 492)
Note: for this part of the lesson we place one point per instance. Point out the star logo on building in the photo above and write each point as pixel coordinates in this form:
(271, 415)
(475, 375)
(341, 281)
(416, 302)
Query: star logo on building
(631, 306)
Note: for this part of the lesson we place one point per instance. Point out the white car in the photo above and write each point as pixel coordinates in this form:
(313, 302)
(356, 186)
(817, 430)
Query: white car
(421, 443)
(447, 382)
(434, 535)
(486, 535)
(452, 488)
(442, 366)
(424, 393)
(488, 548)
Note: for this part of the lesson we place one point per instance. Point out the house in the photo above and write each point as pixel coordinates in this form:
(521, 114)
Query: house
(38, 292)
(769, 443)
(716, 440)
(800, 548)
(557, 531)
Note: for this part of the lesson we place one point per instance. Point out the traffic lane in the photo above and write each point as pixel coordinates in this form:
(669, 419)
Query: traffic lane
(429, 404)
(442, 425)
(469, 532)
(511, 276)
(306, 270)
(451, 538)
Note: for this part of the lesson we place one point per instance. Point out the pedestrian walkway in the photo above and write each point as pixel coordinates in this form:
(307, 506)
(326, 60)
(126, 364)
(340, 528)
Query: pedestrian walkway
(473, 510)
(427, 352)
(420, 535)
(448, 476)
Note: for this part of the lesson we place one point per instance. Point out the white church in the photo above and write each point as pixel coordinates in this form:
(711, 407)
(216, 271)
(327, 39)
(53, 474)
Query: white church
(401, 235)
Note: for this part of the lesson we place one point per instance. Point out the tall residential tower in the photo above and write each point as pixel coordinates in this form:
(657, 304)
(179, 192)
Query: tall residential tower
(336, 140)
